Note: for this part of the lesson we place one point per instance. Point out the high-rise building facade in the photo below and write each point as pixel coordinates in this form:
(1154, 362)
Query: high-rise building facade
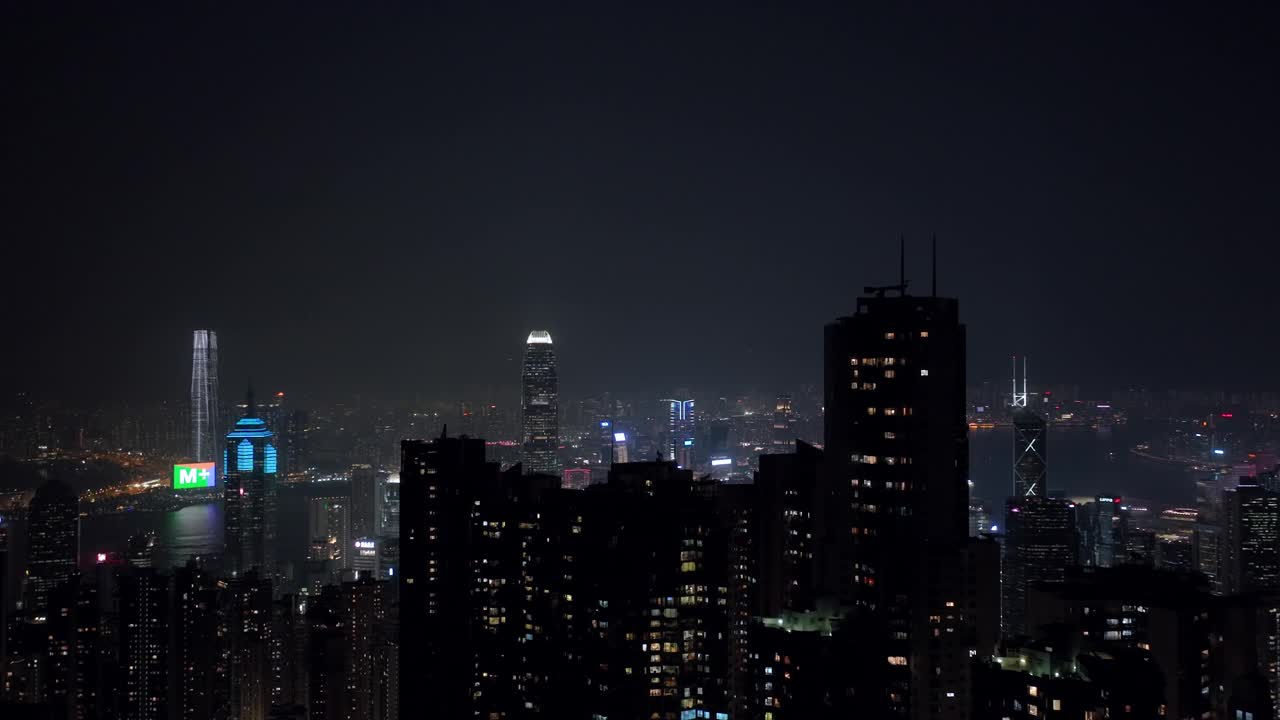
(250, 465)
(1030, 453)
(329, 529)
(896, 449)
(53, 523)
(364, 501)
(1040, 544)
(204, 396)
(681, 431)
(540, 405)
(144, 644)
(1251, 547)
(438, 478)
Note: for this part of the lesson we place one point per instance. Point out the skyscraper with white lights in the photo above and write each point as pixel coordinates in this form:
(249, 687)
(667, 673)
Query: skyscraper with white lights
(204, 395)
(540, 405)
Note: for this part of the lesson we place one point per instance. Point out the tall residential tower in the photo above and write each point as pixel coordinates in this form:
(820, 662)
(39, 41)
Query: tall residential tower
(896, 453)
(541, 405)
(204, 396)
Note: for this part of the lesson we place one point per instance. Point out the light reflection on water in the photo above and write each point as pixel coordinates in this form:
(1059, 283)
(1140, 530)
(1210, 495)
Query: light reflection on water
(193, 530)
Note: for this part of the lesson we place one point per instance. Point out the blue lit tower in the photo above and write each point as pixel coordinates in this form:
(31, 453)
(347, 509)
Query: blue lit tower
(249, 495)
(204, 395)
(681, 431)
(541, 406)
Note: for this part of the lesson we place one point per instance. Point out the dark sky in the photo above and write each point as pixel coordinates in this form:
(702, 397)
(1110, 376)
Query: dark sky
(383, 199)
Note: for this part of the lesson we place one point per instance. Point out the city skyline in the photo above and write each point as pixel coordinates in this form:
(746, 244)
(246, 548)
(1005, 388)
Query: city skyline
(640, 362)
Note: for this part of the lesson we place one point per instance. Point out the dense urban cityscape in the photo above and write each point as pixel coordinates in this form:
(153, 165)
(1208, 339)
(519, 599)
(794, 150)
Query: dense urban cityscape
(800, 556)
(639, 361)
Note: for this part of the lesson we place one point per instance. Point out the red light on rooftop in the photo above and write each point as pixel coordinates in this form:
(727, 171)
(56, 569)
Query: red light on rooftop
(1227, 415)
(280, 394)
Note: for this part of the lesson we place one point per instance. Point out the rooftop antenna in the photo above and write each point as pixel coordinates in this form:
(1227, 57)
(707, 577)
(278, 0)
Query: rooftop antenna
(901, 287)
(248, 407)
(902, 263)
(934, 291)
(1019, 398)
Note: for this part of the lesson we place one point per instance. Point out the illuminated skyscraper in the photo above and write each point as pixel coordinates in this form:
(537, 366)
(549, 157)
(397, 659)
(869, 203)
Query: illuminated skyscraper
(249, 495)
(204, 395)
(541, 405)
(681, 428)
(1030, 439)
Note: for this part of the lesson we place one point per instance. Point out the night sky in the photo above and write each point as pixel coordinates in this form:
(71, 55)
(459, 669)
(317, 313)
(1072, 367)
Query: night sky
(386, 200)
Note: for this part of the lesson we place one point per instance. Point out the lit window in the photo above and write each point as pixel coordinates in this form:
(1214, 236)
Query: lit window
(888, 336)
(897, 660)
(1033, 691)
(870, 459)
(888, 361)
(890, 435)
(889, 411)
(889, 374)
(924, 333)
(924, 373)
(853, 361)
(1057, 705)
(871, 411)
(1033, 711)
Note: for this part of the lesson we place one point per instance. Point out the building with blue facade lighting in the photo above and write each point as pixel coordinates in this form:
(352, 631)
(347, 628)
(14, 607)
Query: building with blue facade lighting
(249, 464)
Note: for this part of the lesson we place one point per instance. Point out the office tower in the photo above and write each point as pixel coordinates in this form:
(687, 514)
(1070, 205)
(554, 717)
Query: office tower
(1103, 526)
(364, 502)
(144, 643)
(365, 559)
(296, 457)
(249, 495)
(541, 406)
(438, 478)
(1251, 543)
(248, 637)
(388, 506)
(196, 660)
(329, 529)
(1040, 544)
(53, 537)
(896, 448)
(1029, 443)
(204, 396)
(791, 532)
(680, 432)
(784, 420)
(979, 519)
